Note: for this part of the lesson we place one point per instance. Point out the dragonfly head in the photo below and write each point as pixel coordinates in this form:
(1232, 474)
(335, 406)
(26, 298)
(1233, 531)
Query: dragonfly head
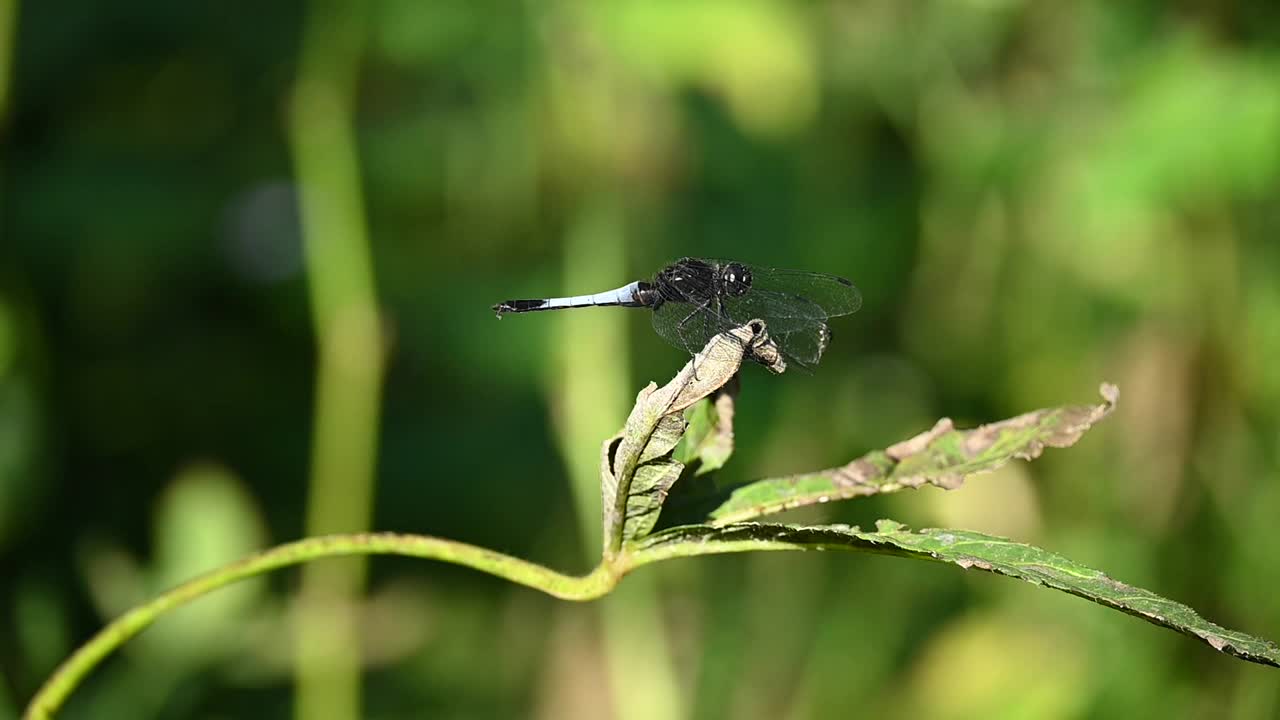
(735, 279)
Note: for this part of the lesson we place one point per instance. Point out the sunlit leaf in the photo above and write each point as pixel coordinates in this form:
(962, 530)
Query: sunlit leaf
(943, 456)
(653, 478)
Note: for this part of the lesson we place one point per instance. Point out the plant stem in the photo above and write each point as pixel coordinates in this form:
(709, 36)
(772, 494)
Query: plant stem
(68, 676)
(350, 346)
(8, 27)
(643, 682)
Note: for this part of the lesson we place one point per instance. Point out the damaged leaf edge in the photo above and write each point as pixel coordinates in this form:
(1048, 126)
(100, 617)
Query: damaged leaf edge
(848, 481)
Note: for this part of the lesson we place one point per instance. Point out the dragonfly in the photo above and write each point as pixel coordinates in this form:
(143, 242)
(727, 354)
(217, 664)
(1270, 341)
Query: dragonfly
(695, 299)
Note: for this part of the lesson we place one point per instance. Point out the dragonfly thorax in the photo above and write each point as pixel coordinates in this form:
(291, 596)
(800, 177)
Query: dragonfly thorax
(693, 280)
(686, 280)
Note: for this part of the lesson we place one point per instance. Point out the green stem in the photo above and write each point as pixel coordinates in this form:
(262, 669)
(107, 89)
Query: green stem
(349, 369)
(68, 676)
(593, 395)
(8, 27)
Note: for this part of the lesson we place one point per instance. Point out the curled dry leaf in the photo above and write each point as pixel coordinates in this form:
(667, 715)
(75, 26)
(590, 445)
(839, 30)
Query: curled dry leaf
(718, 363)
(637, 470)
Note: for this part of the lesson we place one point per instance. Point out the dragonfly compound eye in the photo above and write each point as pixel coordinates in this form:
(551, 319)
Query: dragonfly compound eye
(735, 278)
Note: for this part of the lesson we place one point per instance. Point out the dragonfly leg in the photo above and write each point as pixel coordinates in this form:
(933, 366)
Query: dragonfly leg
(695, 311)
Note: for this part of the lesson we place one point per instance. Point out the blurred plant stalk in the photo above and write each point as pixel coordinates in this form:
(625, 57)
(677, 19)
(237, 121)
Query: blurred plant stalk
(8, 22)
(593, 392)
(350, 364)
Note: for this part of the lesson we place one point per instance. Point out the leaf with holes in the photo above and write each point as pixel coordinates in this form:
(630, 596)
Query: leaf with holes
(943, 457)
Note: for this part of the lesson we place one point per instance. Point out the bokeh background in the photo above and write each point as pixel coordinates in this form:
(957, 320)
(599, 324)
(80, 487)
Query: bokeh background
(247, 253)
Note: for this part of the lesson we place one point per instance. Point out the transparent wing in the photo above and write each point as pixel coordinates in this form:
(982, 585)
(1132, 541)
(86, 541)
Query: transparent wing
(834, 295)
(689, 323)
(799, 330)
(797, 324)
(804, 346)
(690, 331)
(794, 304)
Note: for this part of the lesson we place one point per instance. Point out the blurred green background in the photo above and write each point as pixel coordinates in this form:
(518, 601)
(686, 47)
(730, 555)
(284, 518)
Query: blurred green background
(247, 253)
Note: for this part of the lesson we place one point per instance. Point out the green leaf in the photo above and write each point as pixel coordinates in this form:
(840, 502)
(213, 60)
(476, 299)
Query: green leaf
(969, 550)
(943, 457)
(653, 478)
(708, 441)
